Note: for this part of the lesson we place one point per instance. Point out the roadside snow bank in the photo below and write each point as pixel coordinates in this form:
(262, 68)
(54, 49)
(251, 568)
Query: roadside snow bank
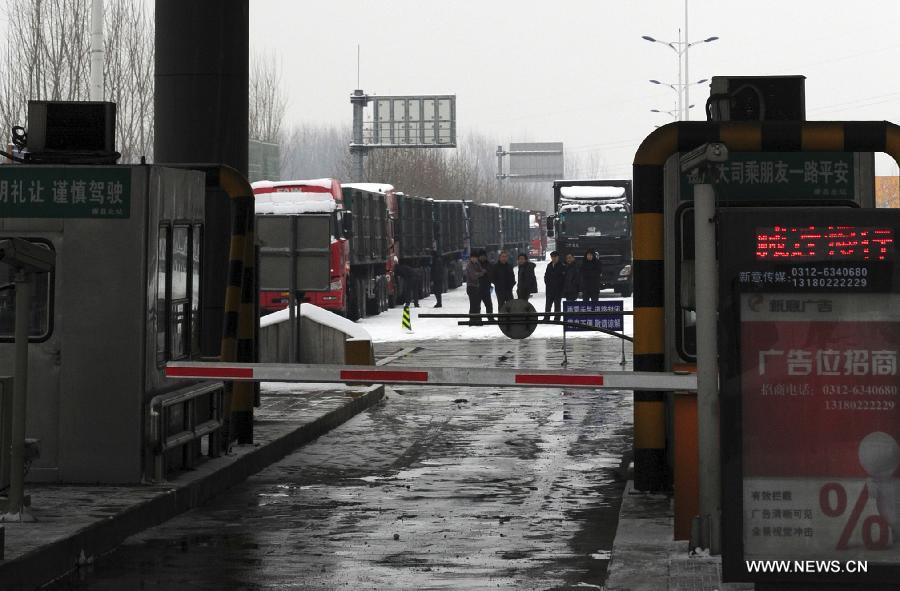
(319, 316)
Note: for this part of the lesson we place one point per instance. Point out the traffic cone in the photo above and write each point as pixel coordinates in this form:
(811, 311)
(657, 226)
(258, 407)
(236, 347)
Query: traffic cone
(406, 322)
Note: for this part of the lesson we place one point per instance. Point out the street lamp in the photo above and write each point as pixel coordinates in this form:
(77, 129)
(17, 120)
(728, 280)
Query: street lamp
(673, 113)
(681, 49)
(678, 88)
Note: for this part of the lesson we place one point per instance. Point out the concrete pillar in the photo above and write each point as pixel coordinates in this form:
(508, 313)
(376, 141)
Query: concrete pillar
(201, 110)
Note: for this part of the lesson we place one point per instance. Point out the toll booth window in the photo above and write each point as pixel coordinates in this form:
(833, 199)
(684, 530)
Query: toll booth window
(40, 325)
(180, 305)
(196, 248)
(162, 280)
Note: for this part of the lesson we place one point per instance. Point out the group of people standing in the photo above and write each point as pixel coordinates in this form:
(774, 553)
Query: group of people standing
(567, 279)
(562, 279)
(481, 275)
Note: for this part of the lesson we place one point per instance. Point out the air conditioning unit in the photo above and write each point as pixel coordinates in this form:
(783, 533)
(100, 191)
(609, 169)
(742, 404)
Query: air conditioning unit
(757, 98)
(64, 131)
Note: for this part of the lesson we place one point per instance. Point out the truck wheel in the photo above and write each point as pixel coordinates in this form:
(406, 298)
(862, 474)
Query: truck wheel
(626, 291)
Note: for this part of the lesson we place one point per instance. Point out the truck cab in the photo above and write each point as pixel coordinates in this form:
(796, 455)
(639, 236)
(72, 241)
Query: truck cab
(595, 215)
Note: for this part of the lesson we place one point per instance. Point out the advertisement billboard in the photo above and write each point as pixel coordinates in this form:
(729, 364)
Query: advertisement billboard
(531, 161)
(427, 121)
(810, 391)
(821, 424)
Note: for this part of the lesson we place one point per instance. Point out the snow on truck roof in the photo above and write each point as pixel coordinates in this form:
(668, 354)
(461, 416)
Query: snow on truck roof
(371, 187)
(294, 197)
(589, 192)
(593, 206)
(295, 202)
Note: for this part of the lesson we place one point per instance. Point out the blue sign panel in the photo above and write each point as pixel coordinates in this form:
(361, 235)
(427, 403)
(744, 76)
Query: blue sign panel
(607, 322)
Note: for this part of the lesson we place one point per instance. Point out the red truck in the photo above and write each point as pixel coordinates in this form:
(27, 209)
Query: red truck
(305, 197)
(537, 245)
(361, 239)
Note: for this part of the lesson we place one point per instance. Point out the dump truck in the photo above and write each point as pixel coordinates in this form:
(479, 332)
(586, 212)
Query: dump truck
(595, 215)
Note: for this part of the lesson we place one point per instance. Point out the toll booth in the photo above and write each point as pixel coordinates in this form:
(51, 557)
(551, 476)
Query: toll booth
(747, 179)
(123, 299)
(810, 411)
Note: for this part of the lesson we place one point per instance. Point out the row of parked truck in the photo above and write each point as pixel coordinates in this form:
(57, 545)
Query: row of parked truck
(374, 228)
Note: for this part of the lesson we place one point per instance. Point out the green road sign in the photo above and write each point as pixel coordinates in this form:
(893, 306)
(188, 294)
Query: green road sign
(756, 176)
(65, 192)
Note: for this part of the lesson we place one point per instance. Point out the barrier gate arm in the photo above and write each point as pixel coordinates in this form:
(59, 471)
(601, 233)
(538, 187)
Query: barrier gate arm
(434, 376)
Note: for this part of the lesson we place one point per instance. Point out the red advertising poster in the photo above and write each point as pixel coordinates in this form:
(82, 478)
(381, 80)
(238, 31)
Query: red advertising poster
(821, 425)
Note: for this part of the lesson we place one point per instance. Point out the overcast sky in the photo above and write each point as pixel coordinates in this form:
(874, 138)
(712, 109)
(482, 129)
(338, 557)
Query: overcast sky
(577, 71)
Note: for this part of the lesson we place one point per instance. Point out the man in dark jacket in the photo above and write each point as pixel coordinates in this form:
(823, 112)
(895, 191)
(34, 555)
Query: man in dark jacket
(474, 273)
(437, 277)
(572, 285)
(484, 284)
(504, 279)
(527, 281)
(554, 281)
(410, 290)
(591, 276)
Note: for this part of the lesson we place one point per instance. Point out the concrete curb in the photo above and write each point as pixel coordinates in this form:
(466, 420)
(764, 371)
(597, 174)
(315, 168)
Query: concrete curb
(643, 542)
(50, 562)
(646, 558)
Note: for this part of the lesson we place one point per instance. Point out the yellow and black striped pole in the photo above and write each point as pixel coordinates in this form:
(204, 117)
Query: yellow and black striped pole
(406, 322)
(650, 414)
(239, 331)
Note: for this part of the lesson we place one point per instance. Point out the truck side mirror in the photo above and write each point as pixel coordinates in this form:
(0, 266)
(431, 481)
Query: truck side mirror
(347, 228)
(550, 220)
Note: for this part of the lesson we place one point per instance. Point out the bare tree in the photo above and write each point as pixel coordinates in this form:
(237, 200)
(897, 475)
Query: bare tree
(315, 151)
(47, 57)
(128, 75)
(467, 172)
(268, 101)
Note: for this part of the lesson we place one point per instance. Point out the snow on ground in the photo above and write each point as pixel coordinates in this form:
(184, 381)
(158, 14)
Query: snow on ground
(387, 325)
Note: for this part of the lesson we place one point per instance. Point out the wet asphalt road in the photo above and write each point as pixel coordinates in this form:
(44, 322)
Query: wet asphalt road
(436, 488)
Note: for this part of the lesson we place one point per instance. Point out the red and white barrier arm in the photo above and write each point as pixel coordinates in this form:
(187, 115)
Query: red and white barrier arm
(434, 376)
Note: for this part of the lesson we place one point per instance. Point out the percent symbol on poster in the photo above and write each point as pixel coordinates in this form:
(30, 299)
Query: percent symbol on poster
(835, 505)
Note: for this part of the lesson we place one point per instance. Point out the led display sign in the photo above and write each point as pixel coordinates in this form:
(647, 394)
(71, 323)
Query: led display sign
(825, 243)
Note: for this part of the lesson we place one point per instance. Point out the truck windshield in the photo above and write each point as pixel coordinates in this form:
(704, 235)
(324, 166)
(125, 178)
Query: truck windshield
(594, 223)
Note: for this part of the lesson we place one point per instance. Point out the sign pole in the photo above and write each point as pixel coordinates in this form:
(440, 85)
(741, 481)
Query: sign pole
(500, 189)
(292, 298)
(357, 149)
(706, 283)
